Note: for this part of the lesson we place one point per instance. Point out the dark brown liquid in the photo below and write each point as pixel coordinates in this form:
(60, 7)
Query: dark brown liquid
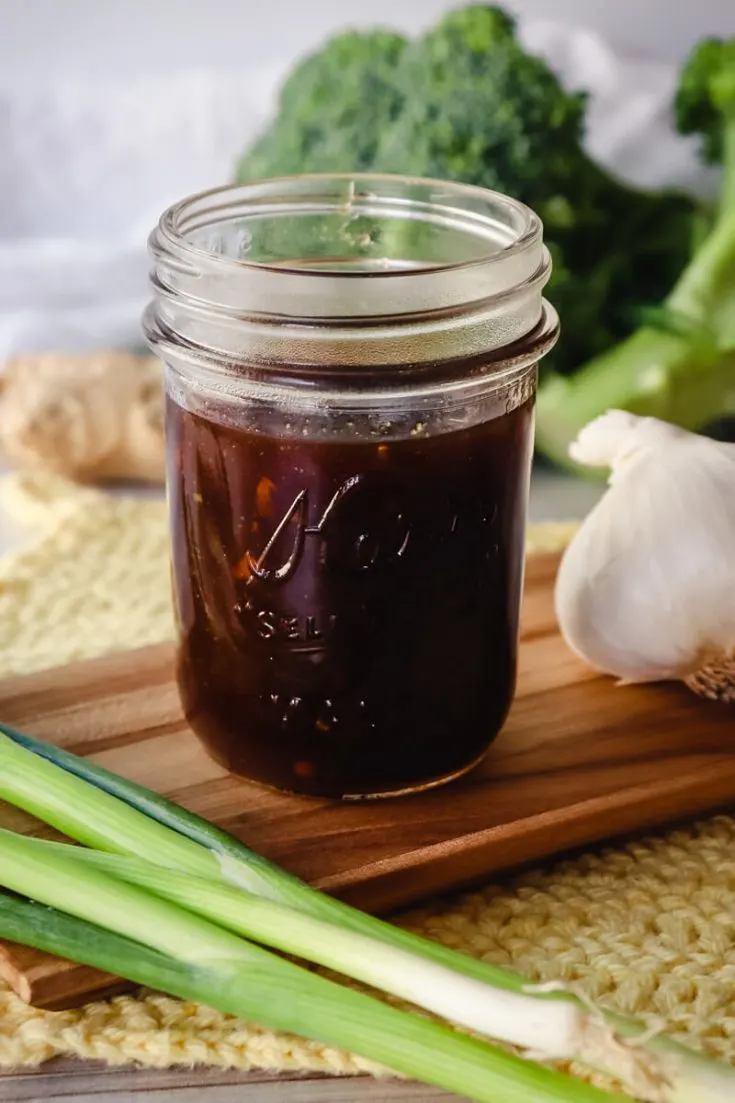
(348, 610)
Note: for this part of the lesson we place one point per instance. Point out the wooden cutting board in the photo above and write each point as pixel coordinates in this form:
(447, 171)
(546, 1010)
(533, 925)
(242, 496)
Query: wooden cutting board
(579, 760)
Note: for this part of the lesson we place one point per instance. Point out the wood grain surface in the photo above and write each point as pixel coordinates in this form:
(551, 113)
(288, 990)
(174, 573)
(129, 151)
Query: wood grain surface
(88, 1082)
(579, 760)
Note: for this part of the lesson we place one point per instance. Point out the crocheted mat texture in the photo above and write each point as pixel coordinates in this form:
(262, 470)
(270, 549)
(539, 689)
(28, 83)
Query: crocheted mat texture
(646, 928)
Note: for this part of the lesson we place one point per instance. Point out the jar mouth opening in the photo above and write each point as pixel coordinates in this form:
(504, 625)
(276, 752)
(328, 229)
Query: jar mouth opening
(354, 226)
(316, 267)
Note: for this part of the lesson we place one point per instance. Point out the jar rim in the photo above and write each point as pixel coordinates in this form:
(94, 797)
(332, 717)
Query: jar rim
(529, 230)
(333, 235)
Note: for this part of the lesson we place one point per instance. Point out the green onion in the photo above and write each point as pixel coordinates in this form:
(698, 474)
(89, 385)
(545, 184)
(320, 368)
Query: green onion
(45, 928)
(84, 802)
(559, 1029)
(88, 814)
(198, 960)
(234, 861)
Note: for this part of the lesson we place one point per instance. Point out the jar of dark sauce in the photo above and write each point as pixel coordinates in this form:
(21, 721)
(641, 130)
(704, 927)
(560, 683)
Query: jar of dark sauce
(350, 368)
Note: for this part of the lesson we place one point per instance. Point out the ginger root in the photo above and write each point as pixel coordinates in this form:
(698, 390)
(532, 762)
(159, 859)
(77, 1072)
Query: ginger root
(88, 416)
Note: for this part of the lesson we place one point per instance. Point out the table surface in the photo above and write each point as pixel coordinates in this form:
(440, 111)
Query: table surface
(553, 497)
(77, 1082)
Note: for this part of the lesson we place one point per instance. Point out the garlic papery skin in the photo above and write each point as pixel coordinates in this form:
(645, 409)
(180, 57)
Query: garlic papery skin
(646, 588)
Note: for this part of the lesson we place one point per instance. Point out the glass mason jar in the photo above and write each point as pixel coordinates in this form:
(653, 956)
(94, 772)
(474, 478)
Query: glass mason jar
(350, 370)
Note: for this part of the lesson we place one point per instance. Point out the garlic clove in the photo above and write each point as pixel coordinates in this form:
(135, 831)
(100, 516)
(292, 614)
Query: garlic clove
(618, 438)
(646, 588)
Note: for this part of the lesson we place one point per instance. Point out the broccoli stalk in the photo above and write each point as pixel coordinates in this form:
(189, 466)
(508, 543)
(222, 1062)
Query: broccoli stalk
(680, 366)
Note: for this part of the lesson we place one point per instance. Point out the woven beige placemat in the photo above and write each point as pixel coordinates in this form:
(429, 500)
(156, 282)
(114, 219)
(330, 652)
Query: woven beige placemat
(647, 928)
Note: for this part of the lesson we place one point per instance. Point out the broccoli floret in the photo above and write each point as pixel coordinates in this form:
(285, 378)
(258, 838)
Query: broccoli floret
(480, 109)
(705, 99)
(681, 366)
(466, 102)
(332, 109)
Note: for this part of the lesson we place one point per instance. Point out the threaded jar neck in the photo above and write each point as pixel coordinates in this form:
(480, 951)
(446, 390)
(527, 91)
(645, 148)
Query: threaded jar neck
(349, 271)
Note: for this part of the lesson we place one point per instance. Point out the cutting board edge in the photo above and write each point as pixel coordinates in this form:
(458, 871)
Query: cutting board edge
(386, 896)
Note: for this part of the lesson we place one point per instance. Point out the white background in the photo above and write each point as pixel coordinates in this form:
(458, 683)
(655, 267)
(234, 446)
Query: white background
(40, 38)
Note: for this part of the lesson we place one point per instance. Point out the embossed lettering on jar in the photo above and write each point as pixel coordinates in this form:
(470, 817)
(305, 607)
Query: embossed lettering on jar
(350, 371)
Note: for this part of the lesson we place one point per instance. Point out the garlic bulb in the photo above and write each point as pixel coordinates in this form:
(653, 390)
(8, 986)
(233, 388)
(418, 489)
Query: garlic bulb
(646, 588)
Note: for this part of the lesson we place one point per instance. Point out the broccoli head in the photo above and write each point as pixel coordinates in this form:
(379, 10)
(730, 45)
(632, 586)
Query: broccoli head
(479, 109)
(467, 102)
(332, 109)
